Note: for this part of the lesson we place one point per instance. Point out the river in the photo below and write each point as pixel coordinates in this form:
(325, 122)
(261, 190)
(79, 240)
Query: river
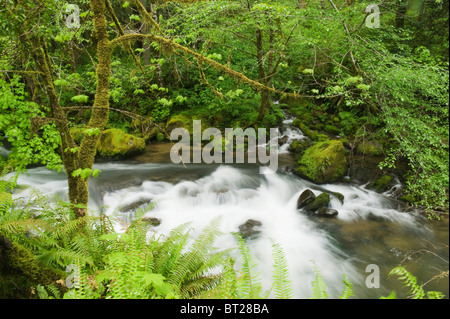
(369, 230)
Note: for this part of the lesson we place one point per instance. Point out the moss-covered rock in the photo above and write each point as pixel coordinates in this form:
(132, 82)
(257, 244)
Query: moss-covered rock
(325, 162)
(321, 201)
(332, 129)
(381, 184)
(299, 146)
(179, 120)
(303, 127)
(115, 143)
(305, 198)
(339, 196)
(370, 148)
(411, 199)
(160, 137)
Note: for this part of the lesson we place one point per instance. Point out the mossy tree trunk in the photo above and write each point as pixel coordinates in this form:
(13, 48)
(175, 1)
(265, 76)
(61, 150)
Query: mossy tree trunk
(17, 261)
(78, 187)
(84, 156)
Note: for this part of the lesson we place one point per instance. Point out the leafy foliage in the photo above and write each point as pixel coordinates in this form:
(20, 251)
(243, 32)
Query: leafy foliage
(416, 290)
(30, 144)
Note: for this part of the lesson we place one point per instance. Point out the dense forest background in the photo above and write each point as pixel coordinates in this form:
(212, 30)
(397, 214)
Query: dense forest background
(375, 77)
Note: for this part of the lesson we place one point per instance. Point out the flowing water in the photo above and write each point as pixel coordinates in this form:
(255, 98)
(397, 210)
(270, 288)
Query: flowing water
(370, 229)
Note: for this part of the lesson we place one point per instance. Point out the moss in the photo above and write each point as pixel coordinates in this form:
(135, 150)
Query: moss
(320, 201)
(345, 142)
(325, 162)
(381, 184)
(179, 120)
(299, 146)
(408, 198)
(303, 127)
(370, 148)
(332, 129)
(115, 143)
(17, 260)
(319, 137)
(339, 196)
(77, 134)
(160, 137)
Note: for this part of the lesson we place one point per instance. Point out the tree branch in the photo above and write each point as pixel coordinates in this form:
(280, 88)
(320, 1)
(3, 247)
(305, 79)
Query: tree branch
(170, 45)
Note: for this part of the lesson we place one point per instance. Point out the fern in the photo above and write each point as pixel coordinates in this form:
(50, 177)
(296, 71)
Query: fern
(282, 285)
(416, 290)
(318, 285)
(249, 284)
(193, 265)
(348, 289)
(228, 285)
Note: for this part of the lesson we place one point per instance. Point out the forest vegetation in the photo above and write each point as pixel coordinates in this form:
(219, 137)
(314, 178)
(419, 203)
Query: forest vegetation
(87, 79)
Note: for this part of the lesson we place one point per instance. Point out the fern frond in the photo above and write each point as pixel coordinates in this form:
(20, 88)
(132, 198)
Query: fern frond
(415, 290)
(348, 289)
(227, 289)
(167, 253)
(191, 262)
(282, 284)
(249, 284)
(318, 286)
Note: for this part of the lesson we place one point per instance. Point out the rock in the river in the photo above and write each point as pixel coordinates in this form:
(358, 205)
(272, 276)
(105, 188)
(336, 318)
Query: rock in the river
(134, 205)
(152, 221)
(326, 212)
(321, 201)
(305, 198)
(338, 196)
(283, 140)
(381, 184)
(325, 162)
(248, 229)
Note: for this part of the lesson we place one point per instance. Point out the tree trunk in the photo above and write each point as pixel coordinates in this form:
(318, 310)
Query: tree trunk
(265, 104)
(78, 187)
(16, 260)
(265, 94)
(85, 155)
(400, 14)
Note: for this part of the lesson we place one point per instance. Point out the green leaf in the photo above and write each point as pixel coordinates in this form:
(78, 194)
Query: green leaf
(135, 17)
(80, 98)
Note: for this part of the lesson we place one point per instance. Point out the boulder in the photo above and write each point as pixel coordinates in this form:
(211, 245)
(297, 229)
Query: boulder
(283, 140)
(381, 184)
(179, 121)
(299, 146)
(338, 196)
(326, 212)
(370, 148)
(324, 162)
(134, 205)
(115, 143)
(332, 129)
(160, 137)
(152, 221)
(321, 201)
(305, 198)
(248, 229)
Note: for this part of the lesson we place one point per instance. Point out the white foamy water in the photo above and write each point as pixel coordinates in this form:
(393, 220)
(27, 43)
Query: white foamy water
(203, 193)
